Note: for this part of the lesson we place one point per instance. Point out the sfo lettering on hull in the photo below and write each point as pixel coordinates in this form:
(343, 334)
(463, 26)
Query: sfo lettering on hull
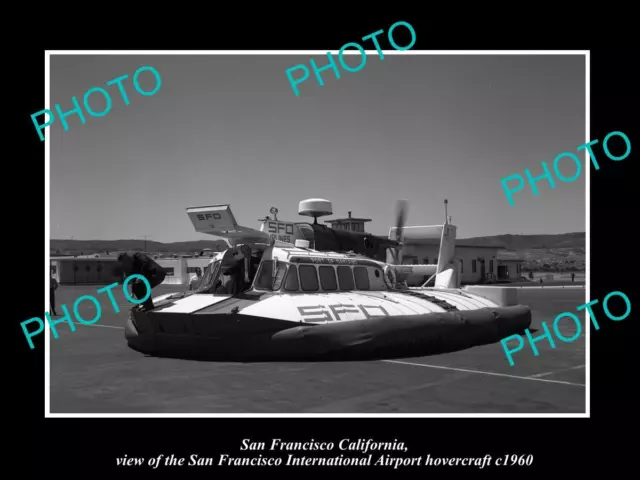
(78, 111)
(509, 191)
(363, 57)
(67, 317)
(547, 333)
(332, 313)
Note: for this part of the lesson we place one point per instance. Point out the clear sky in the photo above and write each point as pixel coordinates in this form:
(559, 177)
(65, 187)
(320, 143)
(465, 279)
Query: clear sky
(229, 129)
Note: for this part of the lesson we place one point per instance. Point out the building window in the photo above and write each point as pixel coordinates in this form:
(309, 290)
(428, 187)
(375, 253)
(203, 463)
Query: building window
(425, 261)
(461, 266)
(193, 269)
(491, 266)
(474, 266)
(168, 271)
(409, 260)
(345, 278)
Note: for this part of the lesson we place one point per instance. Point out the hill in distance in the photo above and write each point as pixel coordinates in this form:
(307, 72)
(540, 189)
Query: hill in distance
(565, 251)
(546, 253)
(87, 247)
(522, 242)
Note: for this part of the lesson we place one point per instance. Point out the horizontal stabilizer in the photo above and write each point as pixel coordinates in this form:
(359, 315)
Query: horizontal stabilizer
(219, 220)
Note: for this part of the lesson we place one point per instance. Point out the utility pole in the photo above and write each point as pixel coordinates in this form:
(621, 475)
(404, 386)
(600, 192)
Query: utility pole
(145, 242)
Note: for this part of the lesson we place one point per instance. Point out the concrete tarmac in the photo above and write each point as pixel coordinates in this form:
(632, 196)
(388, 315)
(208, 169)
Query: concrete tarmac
(93, 371)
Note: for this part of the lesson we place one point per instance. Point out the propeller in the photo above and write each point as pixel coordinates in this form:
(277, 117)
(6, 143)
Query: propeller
(401, 217)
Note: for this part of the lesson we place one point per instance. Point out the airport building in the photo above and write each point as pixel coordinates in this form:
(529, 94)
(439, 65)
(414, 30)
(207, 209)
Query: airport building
(476, 261)
(351, 224)
(85, 270)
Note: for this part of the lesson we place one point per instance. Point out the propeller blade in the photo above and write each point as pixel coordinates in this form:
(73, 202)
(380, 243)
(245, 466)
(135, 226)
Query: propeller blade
(401, 217)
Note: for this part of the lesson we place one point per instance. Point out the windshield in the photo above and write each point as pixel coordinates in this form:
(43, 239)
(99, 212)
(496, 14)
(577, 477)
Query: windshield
(265, 275)
(265, 280)
(208, 278)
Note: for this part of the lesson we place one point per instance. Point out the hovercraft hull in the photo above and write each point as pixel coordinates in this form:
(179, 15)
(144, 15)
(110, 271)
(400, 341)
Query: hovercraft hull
(241, 337)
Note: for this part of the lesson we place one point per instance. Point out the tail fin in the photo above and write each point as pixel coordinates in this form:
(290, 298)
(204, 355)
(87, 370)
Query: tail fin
(447, 247)
(448, 272)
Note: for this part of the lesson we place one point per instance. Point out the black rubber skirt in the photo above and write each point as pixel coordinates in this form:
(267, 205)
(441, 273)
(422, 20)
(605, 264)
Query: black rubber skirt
(234, 337)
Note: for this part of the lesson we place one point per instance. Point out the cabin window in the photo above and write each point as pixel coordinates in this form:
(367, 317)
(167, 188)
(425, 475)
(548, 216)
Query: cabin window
(328, 278)
(345, 278)
(265, 275)
(308, 278)
(292, 279)
(362, 278)
(168, 271)
(282, 270)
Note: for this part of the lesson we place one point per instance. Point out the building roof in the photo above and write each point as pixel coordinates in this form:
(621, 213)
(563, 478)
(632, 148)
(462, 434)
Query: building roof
(349, 219)
(509, 256)
(84, 259)
(459, 243)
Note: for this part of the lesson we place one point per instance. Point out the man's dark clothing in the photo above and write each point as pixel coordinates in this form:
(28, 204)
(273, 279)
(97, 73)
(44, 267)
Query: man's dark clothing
(52, 295)
(236, 284)
(140, 264)
(254, 263)
(52, 301)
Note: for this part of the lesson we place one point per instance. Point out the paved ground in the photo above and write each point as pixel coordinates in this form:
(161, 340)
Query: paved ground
(93, 371)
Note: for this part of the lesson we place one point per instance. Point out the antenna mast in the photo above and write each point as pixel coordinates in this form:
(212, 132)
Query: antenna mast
(446, 216)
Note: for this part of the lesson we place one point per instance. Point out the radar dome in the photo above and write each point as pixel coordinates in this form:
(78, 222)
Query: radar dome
(315, 207)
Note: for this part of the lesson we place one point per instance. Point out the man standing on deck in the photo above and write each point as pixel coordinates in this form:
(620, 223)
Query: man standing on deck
(53, 286)
(195, 281)
(140, 264)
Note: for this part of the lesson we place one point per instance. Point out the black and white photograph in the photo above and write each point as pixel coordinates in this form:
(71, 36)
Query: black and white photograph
(251, 234)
